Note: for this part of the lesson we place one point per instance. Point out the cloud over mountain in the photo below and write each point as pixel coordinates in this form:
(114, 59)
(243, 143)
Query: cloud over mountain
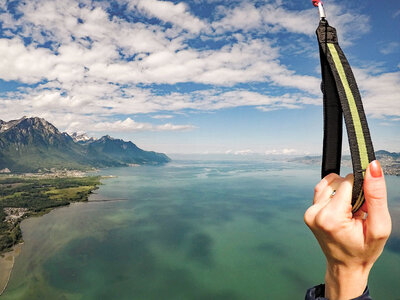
(88, 61)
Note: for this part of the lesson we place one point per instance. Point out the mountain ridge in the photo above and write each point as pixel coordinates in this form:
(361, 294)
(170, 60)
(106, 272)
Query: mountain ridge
(81, 138)
(35, 145)
(390, 161)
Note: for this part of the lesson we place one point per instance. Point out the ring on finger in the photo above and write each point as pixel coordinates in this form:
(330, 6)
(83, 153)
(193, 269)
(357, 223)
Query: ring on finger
(360, 215)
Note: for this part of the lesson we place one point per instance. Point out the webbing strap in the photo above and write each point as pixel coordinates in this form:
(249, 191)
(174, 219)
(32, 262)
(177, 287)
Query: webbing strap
(341, 96)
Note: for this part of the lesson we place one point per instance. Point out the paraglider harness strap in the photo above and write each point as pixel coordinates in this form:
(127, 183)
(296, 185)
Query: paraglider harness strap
(342, 97)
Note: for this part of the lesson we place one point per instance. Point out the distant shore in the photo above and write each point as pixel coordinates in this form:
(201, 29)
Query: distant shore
(7, 261)
(390, 162)
(50, 174)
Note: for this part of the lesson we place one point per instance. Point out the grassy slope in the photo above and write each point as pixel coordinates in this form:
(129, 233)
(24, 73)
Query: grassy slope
(31, 159)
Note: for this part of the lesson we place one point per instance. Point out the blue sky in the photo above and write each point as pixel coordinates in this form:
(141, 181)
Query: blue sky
(200, 76)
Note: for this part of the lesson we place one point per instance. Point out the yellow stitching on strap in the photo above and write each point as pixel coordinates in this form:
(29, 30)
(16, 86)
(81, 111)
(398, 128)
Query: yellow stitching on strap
(359, 201)
(362, 148)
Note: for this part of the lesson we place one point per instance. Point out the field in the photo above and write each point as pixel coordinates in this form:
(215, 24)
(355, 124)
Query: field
(21, 197)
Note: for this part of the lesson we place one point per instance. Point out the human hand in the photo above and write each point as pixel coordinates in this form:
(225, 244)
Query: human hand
(351, 243)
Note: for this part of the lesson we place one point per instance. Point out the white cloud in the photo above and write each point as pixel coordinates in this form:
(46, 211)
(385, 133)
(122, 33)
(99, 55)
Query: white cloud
(95, 63)
(292, 21)
(177, 14)
(94, 54)
(344, 21)
(173, 127)
(380, 93)
(162, 117)
(389, 48)
(289, 151)
(132, 126)
(243, 152)
(26, 64)
(284, 151)
(107, 99)
(273, 17)
(245, 16)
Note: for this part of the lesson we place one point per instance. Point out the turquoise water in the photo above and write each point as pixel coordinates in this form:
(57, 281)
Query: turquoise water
(188, 230)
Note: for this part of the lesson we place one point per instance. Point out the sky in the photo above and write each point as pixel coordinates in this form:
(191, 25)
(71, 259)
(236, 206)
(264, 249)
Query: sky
(201, 76)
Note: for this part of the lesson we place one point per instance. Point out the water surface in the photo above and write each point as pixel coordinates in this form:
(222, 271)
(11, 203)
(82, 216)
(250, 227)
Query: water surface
(187, 230)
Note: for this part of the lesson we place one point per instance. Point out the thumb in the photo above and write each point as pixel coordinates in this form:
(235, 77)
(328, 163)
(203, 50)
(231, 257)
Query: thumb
(378, 219)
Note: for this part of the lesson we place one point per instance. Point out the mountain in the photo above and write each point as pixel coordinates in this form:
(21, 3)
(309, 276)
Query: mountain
(124, 152)
(390, 161)
(82, 138)
(33, 144)
(383, 154)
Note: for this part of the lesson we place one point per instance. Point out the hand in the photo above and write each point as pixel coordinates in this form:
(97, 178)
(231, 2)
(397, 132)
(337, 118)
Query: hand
(351, 243)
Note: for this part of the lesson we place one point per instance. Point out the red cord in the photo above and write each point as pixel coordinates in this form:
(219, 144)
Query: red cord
(315, 2)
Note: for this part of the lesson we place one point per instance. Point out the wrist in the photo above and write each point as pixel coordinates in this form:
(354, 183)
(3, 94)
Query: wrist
(343, 282)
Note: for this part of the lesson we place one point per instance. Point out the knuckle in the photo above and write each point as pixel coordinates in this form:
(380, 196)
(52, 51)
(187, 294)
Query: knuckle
(319, 187)
(320, 220)
(350, 177)
(309, 216)
(349, 183)
(380, 236)
(331, 176)
(338, 181)
(382, 233)
(328, 179)
(324, 222)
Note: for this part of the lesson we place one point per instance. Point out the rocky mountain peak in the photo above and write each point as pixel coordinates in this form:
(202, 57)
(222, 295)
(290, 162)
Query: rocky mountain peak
(81, 137)
(107, 138)
(26, 123)
(32, 144)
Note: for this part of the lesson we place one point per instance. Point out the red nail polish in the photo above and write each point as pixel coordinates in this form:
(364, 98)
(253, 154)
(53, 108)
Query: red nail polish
(375, 169)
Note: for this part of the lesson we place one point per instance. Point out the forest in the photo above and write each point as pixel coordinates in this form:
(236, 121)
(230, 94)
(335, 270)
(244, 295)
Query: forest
(22, 197)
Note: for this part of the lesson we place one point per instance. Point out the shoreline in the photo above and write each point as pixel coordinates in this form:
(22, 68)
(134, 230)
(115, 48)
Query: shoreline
(7, 261)
(88, 185)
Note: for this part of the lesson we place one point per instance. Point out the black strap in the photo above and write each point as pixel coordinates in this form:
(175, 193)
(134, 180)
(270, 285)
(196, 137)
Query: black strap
(341, 96)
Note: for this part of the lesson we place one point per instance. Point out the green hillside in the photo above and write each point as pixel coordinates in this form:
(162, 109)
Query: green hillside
(35, 145)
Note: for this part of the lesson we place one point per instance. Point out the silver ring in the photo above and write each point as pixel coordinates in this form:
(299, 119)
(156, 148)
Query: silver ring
(333, 194)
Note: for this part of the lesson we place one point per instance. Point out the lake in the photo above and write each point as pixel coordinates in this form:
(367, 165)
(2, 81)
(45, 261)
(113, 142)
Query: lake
(192, 229)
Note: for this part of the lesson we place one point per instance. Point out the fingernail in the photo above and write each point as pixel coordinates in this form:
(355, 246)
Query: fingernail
(375, 169)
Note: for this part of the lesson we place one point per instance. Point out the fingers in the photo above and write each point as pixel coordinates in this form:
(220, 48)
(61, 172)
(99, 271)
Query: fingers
(342, 199)
(325, 188)
(322, 195)
(378, 220)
